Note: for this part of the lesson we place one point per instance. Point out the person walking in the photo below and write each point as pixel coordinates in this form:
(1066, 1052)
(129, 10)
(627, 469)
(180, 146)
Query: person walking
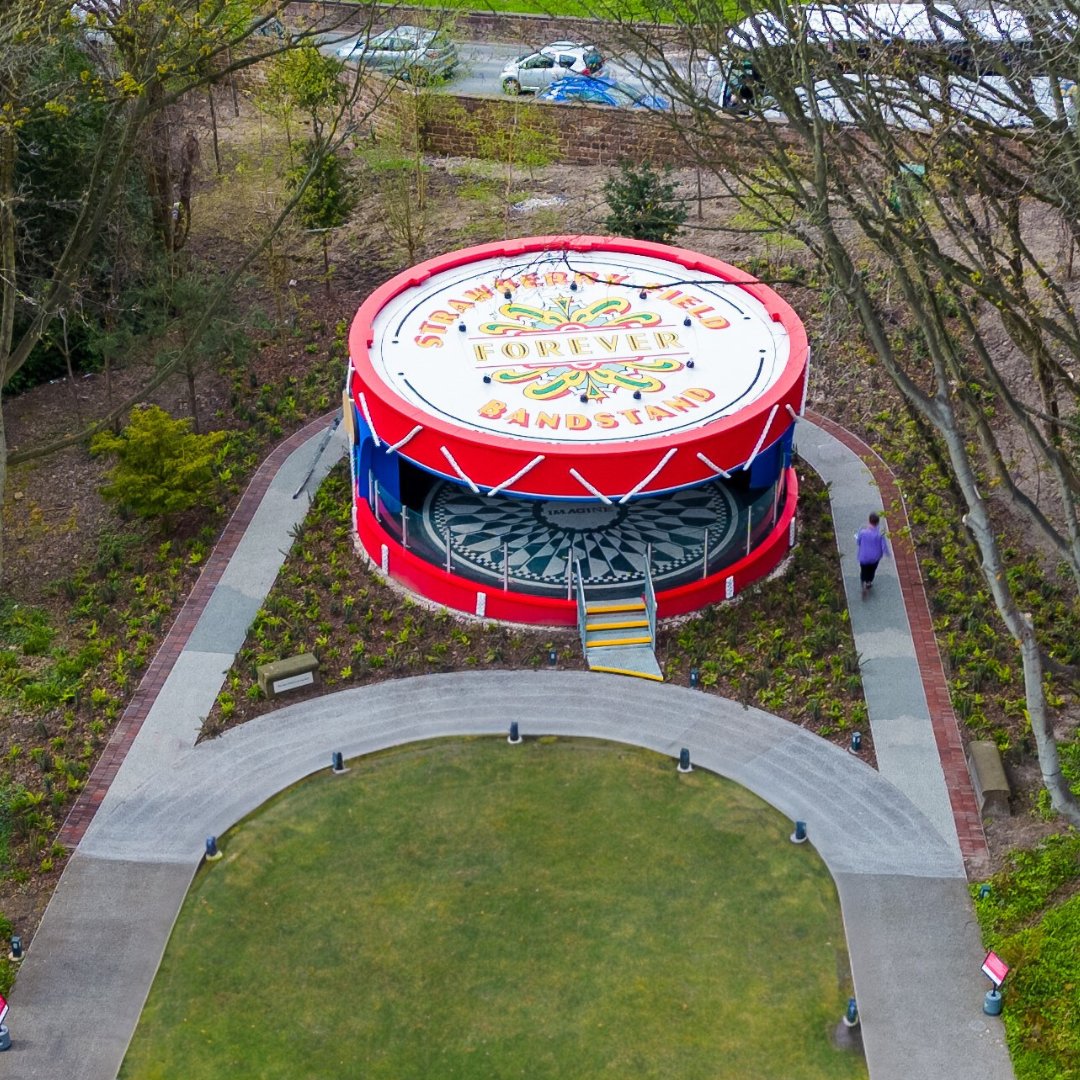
(871, 546)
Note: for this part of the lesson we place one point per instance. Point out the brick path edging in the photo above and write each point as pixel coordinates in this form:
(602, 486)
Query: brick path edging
(159, 669)
(947, 734)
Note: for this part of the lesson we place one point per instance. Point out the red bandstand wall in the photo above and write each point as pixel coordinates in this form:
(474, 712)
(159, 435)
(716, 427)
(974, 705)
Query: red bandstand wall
(459, 593)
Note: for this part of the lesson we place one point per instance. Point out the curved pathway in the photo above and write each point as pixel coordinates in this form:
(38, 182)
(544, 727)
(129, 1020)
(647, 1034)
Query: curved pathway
(894, 853)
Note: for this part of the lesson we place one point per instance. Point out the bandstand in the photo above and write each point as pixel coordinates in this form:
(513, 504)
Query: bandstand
(542, 424)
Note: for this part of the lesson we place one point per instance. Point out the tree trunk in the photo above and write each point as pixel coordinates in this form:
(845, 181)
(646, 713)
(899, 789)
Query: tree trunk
(193, 401)
(1018, 624)
(213, 129)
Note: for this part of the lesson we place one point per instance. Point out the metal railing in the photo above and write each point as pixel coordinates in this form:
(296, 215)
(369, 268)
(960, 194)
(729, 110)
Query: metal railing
(408, 527)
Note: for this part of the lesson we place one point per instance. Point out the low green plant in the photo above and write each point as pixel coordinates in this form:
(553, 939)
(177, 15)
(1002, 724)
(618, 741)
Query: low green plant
(162, 467)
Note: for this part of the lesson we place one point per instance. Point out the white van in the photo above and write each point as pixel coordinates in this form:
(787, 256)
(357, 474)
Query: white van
(868, 38)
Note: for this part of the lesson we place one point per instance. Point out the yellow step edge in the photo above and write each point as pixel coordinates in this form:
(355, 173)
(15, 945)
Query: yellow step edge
(619, 641)
(614, 609)
(626, 671)
(626, 624)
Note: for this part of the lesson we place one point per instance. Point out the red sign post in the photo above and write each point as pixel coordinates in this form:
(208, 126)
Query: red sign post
(995, 969)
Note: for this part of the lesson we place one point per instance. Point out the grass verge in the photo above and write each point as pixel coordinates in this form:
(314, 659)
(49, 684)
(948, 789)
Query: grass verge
(1031, 917)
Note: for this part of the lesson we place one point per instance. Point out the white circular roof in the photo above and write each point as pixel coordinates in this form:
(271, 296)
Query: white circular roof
(576, 354)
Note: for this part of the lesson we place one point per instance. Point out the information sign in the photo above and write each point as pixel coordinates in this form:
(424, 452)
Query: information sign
(994, 968)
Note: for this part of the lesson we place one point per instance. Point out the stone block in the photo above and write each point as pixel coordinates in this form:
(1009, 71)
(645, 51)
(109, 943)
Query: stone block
(292, 673)
(992, 791)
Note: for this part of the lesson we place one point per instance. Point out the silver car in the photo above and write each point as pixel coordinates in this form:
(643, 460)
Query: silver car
(538, 70)
(409, 52)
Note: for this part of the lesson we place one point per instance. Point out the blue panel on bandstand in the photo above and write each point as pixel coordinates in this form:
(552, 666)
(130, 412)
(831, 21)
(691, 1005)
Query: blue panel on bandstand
(771, 462)
(374, 459)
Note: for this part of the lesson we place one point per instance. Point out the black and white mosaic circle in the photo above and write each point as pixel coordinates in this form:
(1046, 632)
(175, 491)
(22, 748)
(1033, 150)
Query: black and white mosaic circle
(608, 542)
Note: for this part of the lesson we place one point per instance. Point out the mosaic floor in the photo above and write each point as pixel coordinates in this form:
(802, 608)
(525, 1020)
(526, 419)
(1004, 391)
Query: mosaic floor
(608, 543)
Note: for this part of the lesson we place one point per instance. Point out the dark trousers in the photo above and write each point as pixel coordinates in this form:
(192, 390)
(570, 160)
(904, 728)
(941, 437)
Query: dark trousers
(867, 570)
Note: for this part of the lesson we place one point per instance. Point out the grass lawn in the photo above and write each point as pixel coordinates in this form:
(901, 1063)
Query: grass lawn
(464, 908)
(636, 11)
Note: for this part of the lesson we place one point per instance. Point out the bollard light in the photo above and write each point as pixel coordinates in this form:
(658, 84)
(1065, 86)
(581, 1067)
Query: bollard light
(337, 762)
(16, 953)
(212, 852)
(553, 657)
(851, 1017)
(984, 891)
(515, 734)
(694, 678)
(856, 741)
(684, 760)
(799, 835)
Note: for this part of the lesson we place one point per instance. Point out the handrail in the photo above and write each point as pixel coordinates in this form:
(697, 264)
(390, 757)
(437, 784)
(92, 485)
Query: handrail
(650, 601)
(582, 615)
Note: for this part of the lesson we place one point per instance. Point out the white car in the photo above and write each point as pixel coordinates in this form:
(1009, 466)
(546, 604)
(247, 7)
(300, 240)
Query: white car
(409, 52)
(538, 70)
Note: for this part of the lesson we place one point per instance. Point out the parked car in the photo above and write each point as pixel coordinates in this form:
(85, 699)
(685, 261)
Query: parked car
(597, 90)
(409, 52)
(537, 70)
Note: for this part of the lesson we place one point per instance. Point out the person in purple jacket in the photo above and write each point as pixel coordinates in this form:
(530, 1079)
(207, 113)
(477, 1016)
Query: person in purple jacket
(871, 546)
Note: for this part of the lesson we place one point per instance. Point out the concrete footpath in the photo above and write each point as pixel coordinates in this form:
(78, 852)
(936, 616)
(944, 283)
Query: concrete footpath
(886, 836)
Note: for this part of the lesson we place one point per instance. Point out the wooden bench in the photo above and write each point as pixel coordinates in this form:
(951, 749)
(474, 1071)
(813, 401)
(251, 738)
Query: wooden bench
(992, 791)
(292, 673)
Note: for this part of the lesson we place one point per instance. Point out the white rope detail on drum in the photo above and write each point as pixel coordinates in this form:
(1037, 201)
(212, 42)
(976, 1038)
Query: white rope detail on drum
(791, 411)
(761, 439)
(517, 476)
(650, 478)
(588, 487)
(459, 470)
(367, 416)
(401, 442)
(715, 468)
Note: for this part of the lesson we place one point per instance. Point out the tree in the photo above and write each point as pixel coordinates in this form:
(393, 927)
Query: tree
(893, 160)
(643, 203)
(148, 56)
(327, 193)
(516, 136)
(162, 467)
(328, 197)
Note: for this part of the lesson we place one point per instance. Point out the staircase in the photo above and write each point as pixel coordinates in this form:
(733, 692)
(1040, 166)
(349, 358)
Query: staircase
(619, 636)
